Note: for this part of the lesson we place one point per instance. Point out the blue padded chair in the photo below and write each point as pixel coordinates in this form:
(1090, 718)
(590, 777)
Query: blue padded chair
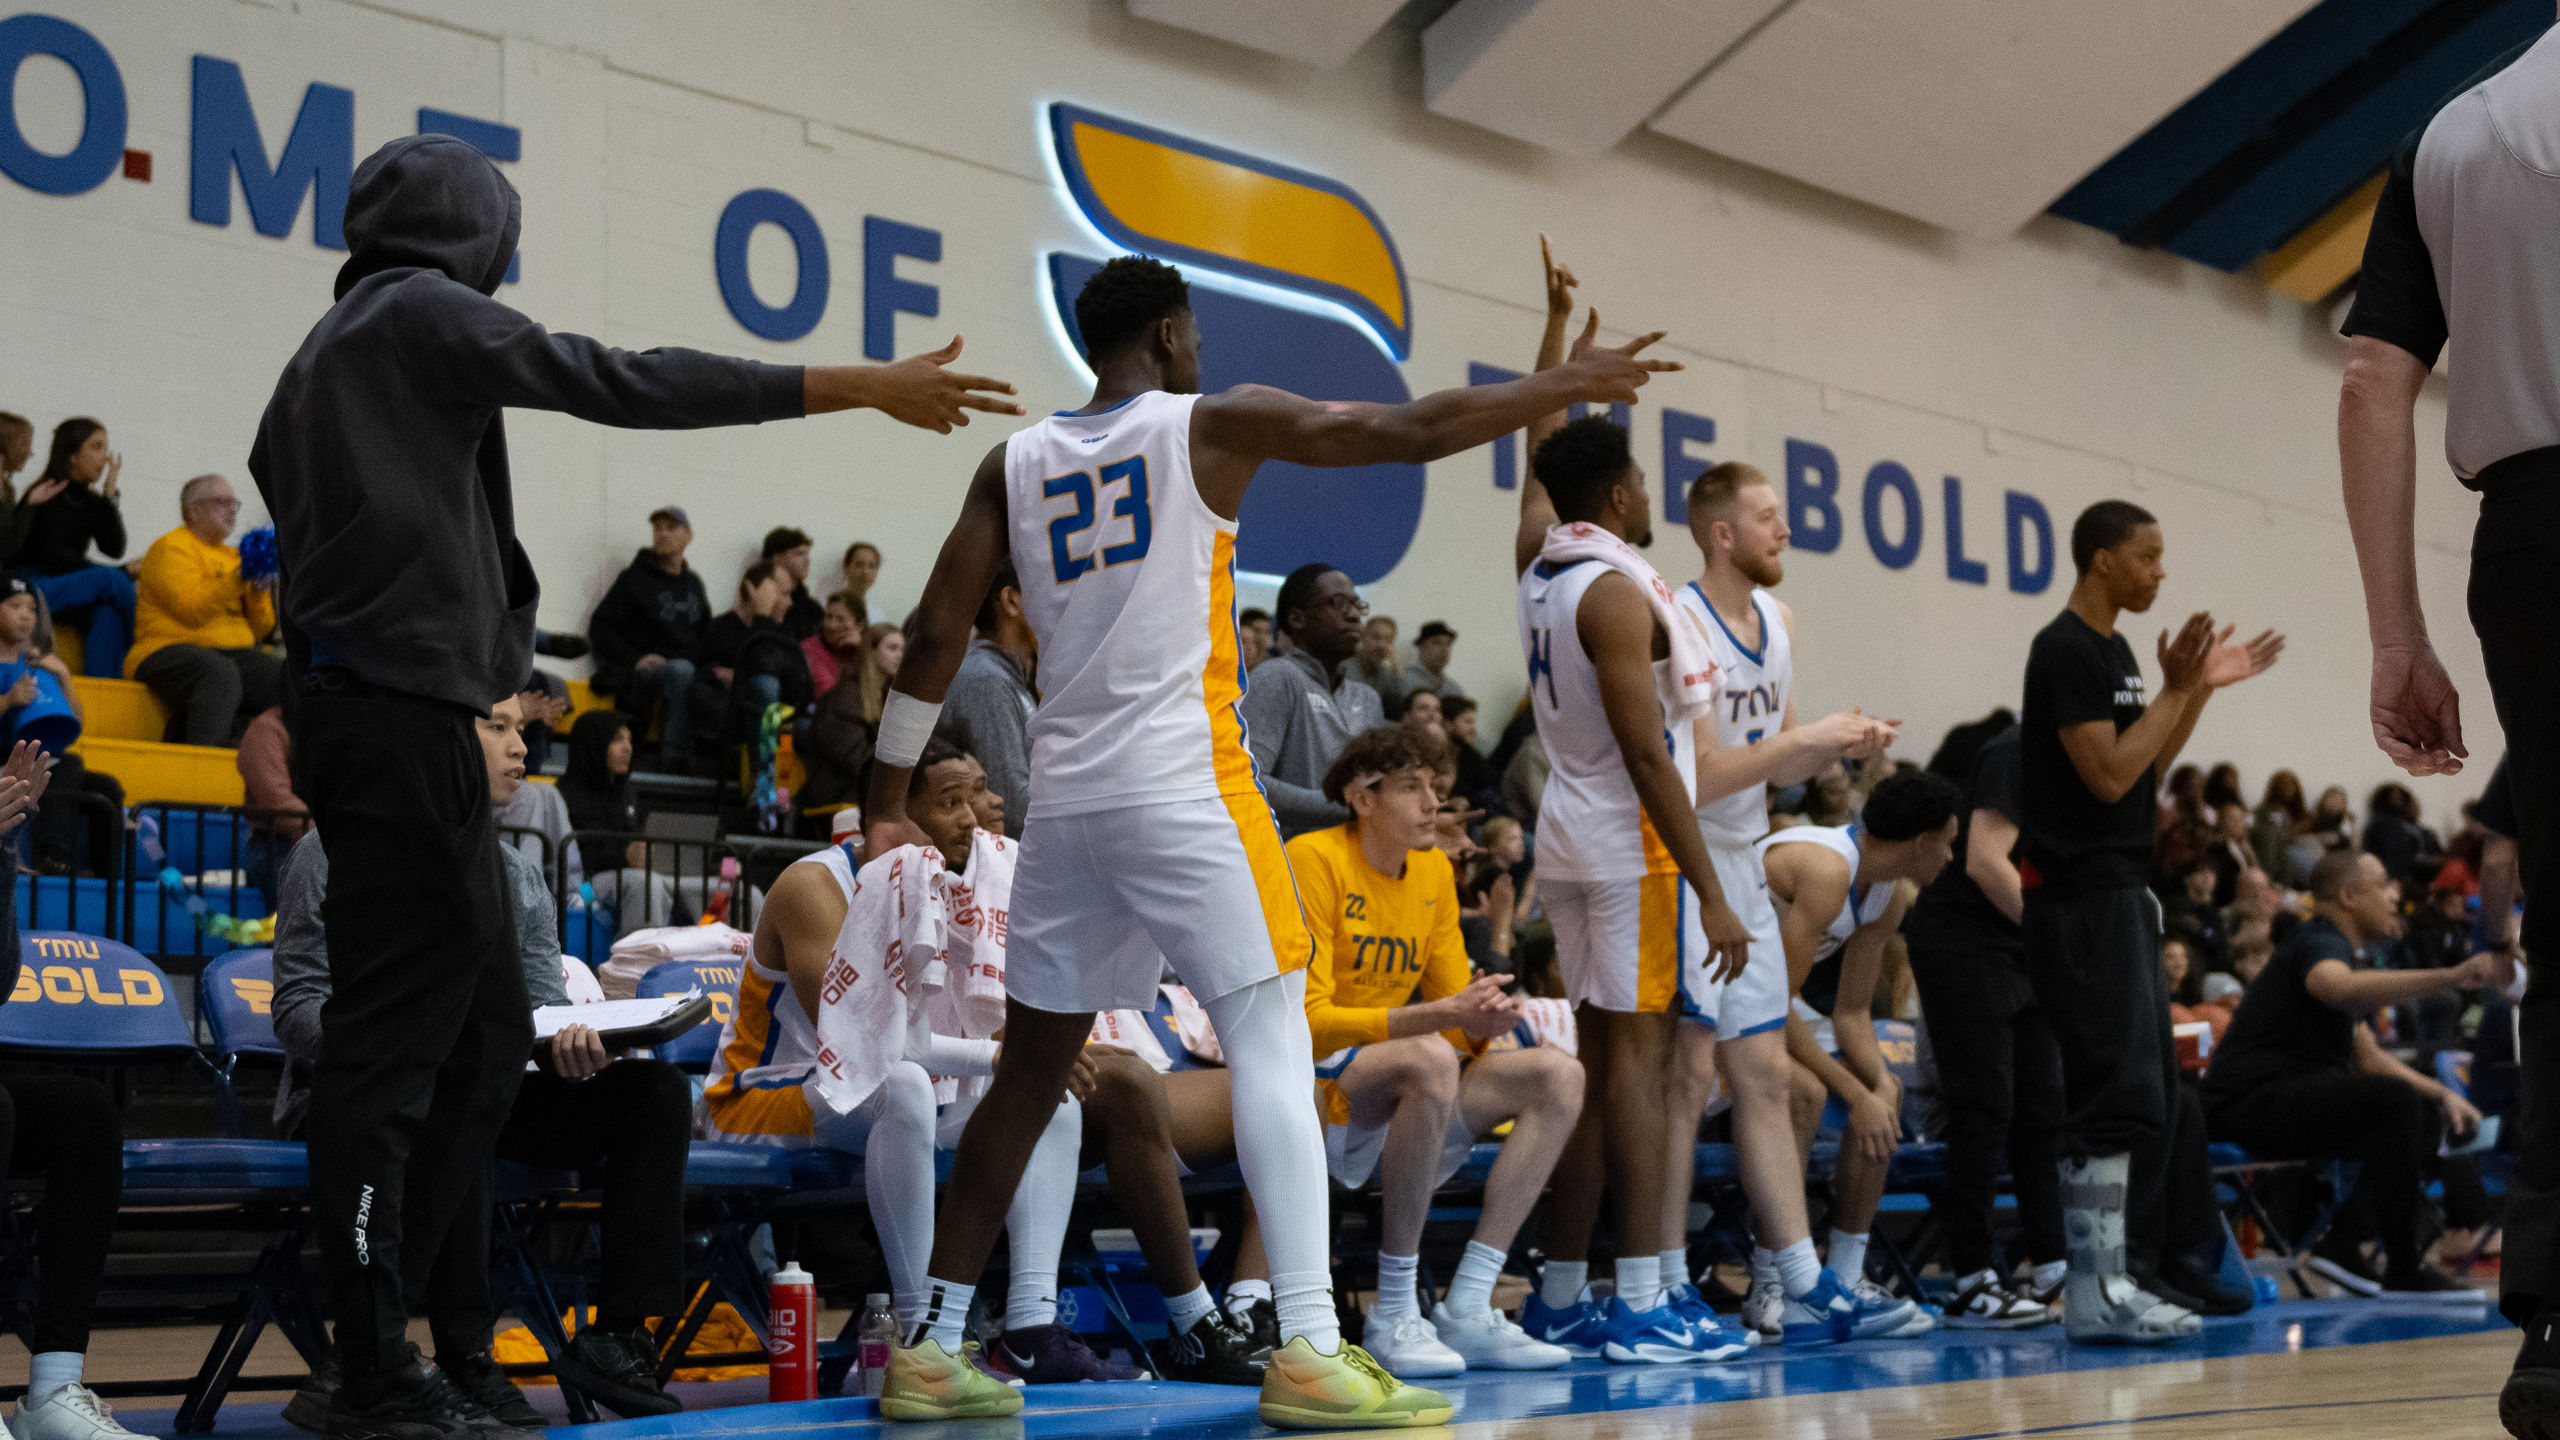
(235, 995)
(88, 1001)
(695, 1049)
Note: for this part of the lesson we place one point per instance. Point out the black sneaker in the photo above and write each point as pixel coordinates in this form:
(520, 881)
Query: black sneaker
(500, 1405)
(2426, 1282)
(1217, 1350)
(2345, 1265)
(308, 1410)
(618, 1370)
(1260, 1320)
(1053, 1355)
(2530, 1405)
(2212, 1293)
(414, 1402)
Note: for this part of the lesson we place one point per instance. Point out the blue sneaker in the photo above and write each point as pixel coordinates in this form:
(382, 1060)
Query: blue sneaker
(1649, 1337)
(1716, 1340)
(1832, 1313)
(1577, 1327)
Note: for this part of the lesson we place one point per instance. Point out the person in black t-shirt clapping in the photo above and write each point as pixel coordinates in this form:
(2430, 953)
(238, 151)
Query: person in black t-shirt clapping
(2299, 1076)
(2090, 749)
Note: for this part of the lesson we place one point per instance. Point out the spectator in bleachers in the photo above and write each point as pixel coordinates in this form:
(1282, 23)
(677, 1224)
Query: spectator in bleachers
(197, 623)
(754, 659)
(861, 571)
(2299, 1076)
(71, 507)
(543, 699)
(883, 646)
(17, 447)
(1304, 704)
(1479, 784)
(2438, 938)
(992, 692)
(1253, 637)
(2190, 908)
(1524, 781)
(836, 650)
(581, 1108)
(65, 1130)
(1420, 714)
(1430, 668)
(596, 786)
(2222, 791)
(277, 816)
(1392, 1003)
(2393, 835)
(2332, 826)
(788, 549)
(69, 839)
(2280, 816)
(1374, 663)
(647, 638)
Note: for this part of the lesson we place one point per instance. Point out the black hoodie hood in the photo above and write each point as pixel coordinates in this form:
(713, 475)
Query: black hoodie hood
(597, 798)
(430, 202)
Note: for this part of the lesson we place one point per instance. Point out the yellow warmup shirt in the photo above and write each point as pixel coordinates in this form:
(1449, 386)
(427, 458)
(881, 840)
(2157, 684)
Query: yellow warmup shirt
(1380, 942)
(190, 593)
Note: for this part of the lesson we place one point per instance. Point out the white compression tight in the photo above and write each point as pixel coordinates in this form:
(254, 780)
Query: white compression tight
(1036, 1226)
(896, 1132)
(1271, 1069)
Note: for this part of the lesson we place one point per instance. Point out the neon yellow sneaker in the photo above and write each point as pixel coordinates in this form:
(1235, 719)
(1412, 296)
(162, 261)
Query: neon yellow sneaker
(1347, 1390)
(927, 1382)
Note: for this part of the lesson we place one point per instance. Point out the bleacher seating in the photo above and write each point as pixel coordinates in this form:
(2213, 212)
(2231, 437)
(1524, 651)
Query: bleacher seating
(123, 732)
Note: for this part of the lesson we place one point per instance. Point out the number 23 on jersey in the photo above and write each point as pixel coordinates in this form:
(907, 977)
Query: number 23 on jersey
(1077, 546)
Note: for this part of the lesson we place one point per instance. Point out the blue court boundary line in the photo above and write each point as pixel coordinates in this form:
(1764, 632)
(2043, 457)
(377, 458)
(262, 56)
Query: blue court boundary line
(2233, 1410)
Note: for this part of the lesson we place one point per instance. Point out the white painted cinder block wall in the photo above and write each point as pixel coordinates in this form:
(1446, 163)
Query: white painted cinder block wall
(2056, 363)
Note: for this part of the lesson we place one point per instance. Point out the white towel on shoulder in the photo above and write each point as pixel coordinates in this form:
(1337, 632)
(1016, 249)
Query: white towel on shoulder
(1688, 681)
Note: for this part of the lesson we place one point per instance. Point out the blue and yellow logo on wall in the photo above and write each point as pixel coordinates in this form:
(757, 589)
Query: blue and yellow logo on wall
(1219, 213)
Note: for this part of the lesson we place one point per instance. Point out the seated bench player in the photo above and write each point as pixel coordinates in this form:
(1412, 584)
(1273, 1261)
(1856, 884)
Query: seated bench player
(1393, 1006)
(1840, 898)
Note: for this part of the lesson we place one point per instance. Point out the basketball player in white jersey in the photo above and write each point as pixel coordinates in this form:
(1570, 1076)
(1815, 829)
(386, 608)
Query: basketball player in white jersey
(1147, 829)
(1750, 742)
(1839, 891)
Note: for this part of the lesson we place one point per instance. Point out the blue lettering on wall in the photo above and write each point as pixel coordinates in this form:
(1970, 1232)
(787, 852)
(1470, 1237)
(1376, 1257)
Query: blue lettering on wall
(498, 142)
(1680, 469)
(1882, 477)
(1971, 572)
(102, 126)
(2026, 510)
(738, 220)
(1808, 463)
(884, 295)
(319, 156)
(1506, 451)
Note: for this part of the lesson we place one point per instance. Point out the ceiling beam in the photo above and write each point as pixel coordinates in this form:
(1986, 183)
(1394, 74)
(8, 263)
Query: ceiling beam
(1574, 75)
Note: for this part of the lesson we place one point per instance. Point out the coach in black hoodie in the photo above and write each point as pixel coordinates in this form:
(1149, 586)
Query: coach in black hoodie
(407, 608)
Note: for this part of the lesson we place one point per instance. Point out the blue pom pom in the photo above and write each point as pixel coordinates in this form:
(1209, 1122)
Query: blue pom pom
(258, 554)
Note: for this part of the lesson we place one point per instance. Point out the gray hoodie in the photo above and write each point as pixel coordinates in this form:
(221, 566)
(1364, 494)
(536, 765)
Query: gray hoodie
(383, 456)
(1296, 726)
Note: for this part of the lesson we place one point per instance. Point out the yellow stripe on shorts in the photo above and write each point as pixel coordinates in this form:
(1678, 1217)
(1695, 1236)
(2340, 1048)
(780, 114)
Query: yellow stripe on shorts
(1658, 944)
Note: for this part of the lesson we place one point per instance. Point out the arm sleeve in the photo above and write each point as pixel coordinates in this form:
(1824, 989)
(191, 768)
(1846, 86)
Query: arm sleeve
(496, 357)
(537, 930)
(22, 518)
(948, 1055)
(301, 956)
(106, 526)
(2396, 295)
(1996, 784)
(1333, 1027)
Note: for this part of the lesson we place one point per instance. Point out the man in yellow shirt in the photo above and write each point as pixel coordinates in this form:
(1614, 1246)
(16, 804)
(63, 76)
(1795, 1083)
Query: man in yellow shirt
(197, 623)
(1392, 1003)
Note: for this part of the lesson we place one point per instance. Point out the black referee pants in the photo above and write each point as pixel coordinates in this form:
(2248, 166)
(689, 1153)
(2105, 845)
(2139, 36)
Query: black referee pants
(2001, 1078)
(425, 1033)
(2515, 607)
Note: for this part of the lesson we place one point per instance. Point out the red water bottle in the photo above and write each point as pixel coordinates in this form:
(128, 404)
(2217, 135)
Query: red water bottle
(791, 1318)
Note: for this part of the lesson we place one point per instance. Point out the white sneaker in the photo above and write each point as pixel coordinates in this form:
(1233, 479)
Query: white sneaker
(73, 1412)
(1764, 1310)
(1413, 1349)
(1923, 1320)
(1488, 1341)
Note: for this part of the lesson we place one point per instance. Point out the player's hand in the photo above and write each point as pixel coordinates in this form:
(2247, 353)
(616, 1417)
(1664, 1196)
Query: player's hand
(578, 1053)
(1728, 939)
(2417, 717)
(1560, 282)
(14, 803)
(2461, 1117)
(1086, 1076)
(1874, 1128)
(1611, 373)
(2182, 661)
(2476, 973)
(887, 833)
(2229, 664)
(30, 766)
(1482, 1010)
(915, 391)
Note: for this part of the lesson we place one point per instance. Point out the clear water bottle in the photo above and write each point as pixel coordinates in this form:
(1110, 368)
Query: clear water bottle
(877, 1332)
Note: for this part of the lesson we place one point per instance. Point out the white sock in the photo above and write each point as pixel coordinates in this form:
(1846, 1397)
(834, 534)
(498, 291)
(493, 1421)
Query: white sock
(1640, 1281)
(1478, 1269)
(1185, 1311)
(1799, 1269)
(1271, 1072)
(1675, 1268)
(1764, 1266)
(2051, 1273)
(1242, 1293)
(946, 1312)
(1561, 1282)
(49, 1371)
(1395, 1285)
(1036, 1225)
(1849, 1258)
(1305, 1301)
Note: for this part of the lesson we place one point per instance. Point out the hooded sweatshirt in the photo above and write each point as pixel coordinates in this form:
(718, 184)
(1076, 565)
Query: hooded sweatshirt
(598, 799)
(383, 457)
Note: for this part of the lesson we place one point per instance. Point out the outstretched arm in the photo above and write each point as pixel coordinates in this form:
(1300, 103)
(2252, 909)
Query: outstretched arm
(971, 556)
(1537, 512)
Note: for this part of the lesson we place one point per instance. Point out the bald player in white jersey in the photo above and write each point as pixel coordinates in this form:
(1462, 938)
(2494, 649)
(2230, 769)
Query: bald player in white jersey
(1147, 829)
(1751, 742)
